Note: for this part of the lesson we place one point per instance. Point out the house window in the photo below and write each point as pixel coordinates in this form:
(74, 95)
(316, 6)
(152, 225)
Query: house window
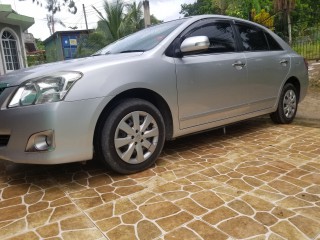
(10, 50)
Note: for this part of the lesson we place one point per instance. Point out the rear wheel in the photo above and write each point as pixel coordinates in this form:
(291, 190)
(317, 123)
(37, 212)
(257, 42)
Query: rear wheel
(287, 106)
(132, 136)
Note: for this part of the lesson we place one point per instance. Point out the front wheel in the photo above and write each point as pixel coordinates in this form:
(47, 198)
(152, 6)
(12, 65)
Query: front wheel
(287, 106)
(132, 137)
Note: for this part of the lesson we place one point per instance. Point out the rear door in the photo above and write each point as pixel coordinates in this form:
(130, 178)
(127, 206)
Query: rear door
(267, 64)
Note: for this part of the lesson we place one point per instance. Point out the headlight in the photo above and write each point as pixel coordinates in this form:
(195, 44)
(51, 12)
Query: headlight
(45, 89)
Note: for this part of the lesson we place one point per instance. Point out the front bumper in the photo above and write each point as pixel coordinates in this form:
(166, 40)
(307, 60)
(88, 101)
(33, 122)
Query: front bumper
(73, 124)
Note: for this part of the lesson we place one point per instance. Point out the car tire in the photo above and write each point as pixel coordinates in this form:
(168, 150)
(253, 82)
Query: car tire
(287, 106)
(132, 136)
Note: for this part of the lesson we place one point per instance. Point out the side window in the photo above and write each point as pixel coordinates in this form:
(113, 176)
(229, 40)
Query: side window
(273, 44)
(252, 38)
(220, 35)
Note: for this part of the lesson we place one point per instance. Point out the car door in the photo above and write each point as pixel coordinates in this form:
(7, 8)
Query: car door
(267, 64)
(211, 85)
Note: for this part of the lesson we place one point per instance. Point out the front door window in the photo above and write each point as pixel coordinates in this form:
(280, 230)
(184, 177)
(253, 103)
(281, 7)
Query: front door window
(10, 50)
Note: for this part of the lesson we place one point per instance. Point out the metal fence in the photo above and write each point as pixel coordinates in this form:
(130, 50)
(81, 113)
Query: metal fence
(308, 46)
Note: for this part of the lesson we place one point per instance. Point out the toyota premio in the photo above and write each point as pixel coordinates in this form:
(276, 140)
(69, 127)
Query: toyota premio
(163, 82)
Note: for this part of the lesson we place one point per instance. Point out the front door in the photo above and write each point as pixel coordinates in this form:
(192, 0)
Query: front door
(211, 85)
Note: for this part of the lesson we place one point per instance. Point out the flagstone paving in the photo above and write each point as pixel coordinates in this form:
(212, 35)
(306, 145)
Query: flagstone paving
(259, 181)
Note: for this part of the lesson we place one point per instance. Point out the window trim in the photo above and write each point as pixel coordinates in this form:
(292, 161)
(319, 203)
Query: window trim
(18, 46)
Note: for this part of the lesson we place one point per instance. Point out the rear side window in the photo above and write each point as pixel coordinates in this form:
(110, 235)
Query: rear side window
(273, 44)
(220, 35)
(252, 39)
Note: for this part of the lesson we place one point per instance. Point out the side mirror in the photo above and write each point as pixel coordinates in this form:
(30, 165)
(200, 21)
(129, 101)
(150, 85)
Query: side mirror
(192, 44)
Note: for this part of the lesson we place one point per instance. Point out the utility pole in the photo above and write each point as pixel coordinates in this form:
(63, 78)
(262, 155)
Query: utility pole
(85, 15)
(146, 11)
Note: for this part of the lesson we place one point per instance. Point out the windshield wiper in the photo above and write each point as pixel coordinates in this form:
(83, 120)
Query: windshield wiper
(99, 53)
(129, 51)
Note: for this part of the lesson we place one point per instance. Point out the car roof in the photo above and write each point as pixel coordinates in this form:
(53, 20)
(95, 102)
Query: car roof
(222, 17)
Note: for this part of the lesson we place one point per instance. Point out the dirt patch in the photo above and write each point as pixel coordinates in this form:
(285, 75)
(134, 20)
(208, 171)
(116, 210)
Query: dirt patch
(309, 108)
(314, 75)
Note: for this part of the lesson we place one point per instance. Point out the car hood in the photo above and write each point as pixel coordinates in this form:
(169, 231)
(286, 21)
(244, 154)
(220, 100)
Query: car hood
(19, 76)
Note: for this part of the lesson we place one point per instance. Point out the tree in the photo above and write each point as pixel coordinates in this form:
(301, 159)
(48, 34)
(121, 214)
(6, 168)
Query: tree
(52, 21)
(264, 18)
(197, 8)
(114, 20)
(53, 7)
(91, 44)
(221, 6)
(154, 20)
(305, 18)
(286, 6)
(134, 16)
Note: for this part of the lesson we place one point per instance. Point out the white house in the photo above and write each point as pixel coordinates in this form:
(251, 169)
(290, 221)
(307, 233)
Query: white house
(12, 28)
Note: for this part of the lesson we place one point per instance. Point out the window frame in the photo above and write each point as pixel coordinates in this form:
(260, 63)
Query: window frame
(174, 49)
(265, 35)
(16, 39)
(264, 32)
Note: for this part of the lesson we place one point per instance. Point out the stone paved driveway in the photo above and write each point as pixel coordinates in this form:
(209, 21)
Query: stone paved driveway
(259, 181)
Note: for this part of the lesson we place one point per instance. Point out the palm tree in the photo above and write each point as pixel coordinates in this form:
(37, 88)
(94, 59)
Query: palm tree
(286, 6)
(134, 15)
(114, 20)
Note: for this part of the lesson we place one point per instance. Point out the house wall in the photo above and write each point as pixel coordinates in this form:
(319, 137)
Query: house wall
(21, 49)
(62, 46)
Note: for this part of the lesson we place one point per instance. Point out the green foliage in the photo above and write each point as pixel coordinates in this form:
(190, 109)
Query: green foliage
(264, 18)
(117, 23)
(115, 19)
(39, 57)
(154, 20)
(36, 59)
(39, 44)
(120, 21)
(197, 8)
(305, 17)
(91, 44)
(134, 17)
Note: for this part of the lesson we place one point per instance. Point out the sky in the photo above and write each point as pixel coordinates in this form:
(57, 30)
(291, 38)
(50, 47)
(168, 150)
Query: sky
(162, 9)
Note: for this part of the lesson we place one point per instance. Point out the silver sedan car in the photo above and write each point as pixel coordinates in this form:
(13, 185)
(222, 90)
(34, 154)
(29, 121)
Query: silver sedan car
(163, 82)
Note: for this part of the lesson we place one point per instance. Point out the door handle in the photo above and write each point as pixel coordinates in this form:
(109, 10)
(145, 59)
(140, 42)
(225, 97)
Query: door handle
(238, 65)
(283, 61)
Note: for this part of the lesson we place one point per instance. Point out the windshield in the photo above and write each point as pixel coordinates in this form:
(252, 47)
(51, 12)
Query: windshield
(143, 40)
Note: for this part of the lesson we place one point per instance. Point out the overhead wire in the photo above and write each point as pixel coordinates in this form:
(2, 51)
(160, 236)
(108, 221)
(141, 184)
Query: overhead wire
(90, 12)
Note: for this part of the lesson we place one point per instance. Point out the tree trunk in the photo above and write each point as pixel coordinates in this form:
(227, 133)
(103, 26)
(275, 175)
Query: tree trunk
(52, 18)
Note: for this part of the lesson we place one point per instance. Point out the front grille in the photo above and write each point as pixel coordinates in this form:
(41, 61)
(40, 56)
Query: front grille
(4, 139)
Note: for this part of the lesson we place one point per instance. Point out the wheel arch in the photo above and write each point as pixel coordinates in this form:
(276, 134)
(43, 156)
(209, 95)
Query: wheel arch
(141, 93)
(296, 83)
